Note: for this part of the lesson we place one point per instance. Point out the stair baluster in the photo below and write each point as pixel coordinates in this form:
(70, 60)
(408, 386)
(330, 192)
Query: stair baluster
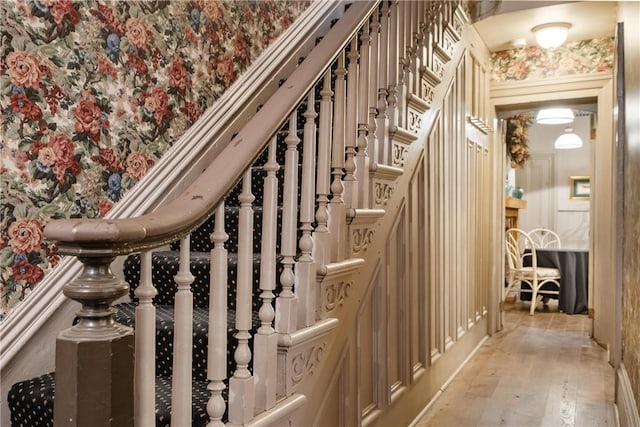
(337, 206)
(373, 145)
(182, 341)
(351, 133)
(265, 345)
(321, 249)
(241, 385)
(287, 301)
(362, 157)
(145, 336)
(414, 65)
(403, 47)
(392, 99)
(217, 340)
(305, 273)
(382, 120)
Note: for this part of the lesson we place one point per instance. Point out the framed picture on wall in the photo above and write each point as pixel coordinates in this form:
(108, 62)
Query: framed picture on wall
(579, 188)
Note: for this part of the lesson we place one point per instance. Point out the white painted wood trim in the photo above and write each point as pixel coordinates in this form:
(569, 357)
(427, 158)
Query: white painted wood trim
(308, 333)
(444, 386)
(275, 416)
(626, 404)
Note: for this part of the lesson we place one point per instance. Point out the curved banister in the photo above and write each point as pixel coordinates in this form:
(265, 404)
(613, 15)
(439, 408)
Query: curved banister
(94, 237)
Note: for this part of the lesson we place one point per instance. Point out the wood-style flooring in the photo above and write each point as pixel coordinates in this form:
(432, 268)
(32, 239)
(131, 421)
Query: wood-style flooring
(541, 370)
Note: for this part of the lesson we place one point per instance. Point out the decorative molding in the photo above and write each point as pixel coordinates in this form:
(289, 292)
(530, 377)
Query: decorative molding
(362, 228)
(429, 84)
(443, 50)
(414, 120)
(384, 178)
(627, 407)
(399, 154)
(301, 352)
(415, 101)
(382, 193)
(335, 282)
(360, 239)
(479, 124)
(437, 65)
(449, 40)
(302, 363)
(404, 136)
(335, 294)
(458, 22)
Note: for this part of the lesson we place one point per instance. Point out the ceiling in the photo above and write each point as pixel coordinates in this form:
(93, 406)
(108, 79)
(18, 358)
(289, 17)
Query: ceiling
(513, 19)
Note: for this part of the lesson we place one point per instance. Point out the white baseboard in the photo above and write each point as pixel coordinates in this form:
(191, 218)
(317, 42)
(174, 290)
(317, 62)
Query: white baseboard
(627, 406)
(446, 383)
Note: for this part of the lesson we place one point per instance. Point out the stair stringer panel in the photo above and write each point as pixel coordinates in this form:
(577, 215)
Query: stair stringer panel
(336, 392)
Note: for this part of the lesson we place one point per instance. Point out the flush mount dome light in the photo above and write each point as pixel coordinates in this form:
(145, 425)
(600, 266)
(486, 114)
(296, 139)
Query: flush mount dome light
(554, 116)
(552, 34)
(568, 140)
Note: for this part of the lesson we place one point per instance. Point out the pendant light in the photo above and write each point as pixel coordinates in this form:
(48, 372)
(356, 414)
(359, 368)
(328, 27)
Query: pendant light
(568, 140)
(552, 34)
(554, 116)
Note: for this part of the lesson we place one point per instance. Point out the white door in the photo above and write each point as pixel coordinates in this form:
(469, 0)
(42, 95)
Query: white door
(537, 177)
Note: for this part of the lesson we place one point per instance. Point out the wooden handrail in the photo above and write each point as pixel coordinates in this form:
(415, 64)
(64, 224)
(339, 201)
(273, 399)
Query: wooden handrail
(97, 237)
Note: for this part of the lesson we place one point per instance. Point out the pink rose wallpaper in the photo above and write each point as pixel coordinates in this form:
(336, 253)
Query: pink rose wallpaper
(532, 62)
(93, 93)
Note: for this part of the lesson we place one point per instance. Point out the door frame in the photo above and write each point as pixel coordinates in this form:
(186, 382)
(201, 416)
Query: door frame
(598, 88)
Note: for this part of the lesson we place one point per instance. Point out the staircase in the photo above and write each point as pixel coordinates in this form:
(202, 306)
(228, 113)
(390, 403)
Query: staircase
(237, 287)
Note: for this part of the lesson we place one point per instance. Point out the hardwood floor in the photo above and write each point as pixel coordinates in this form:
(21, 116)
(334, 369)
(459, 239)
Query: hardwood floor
(541, 370)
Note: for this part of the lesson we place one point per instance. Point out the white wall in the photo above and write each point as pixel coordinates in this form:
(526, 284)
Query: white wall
(571, 216)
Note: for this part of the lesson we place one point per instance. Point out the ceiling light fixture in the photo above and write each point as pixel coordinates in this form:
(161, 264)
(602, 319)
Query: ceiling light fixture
(554, 116)
(552, 34)
(568, 140)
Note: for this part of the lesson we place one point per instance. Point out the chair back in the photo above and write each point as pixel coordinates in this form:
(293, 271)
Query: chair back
(517, 241)
(544, 238)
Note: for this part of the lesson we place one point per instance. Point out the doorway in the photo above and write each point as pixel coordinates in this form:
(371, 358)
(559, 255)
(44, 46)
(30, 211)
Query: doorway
(596, 89)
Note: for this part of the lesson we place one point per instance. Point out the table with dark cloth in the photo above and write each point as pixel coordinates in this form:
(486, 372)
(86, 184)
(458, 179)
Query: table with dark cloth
(574, 269)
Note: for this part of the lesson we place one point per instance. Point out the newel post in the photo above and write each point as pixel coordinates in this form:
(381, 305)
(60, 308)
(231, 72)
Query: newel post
(95, 358)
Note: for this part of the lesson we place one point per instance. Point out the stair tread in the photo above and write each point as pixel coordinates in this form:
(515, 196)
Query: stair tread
(32, 401)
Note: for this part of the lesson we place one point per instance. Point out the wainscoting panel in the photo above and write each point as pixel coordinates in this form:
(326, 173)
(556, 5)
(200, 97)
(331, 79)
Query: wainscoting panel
(371, 348)
(397, 291)
(416, 299)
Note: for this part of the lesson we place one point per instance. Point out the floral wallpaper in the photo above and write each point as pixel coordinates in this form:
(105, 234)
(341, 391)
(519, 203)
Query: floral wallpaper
(93, 93)
(532, 62)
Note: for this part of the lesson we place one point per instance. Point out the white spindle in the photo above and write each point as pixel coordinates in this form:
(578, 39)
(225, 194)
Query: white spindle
(305, 277)
(241, 384)
(182, 341)
(336, 207)
(217, 342)
(394, 63)
(373, 91)
(362, 158)
(321, 236)
(420, 49)
(145, 338)
(415, 40)
(287, 302)
(403, 61)
(350, 182)
(383, 62)
(265, 345)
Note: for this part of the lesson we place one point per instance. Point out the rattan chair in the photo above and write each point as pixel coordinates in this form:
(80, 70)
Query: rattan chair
(544, 238)
(519, 246)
